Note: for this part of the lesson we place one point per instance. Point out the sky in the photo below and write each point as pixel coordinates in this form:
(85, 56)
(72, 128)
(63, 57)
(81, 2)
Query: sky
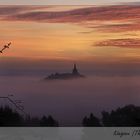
(45, 37)
(62, 2)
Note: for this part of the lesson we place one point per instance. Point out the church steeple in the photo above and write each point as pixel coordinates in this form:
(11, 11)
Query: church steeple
(75, 71)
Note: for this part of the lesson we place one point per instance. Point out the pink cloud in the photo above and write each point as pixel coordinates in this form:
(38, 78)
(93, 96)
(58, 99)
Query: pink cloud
(118, 13)
(77, 15)
(124, 43)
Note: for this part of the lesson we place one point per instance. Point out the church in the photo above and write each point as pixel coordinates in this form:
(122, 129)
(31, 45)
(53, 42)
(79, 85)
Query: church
(64, 76)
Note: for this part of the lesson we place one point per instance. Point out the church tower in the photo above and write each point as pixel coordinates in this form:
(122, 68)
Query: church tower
(75, 71)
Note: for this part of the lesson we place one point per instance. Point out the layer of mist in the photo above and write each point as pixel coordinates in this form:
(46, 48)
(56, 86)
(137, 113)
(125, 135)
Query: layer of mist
(70, 100)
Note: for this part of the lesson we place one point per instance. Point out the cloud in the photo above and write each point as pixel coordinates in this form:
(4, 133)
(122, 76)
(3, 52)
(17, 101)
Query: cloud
(117, 18)
(119, 27)
(91, 13)
(124, 43)
(9, 11)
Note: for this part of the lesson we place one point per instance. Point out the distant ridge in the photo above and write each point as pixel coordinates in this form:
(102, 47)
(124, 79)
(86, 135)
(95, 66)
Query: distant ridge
(66, 76)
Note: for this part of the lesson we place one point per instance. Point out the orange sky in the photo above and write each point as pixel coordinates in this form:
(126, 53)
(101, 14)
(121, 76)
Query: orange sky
(68, 39)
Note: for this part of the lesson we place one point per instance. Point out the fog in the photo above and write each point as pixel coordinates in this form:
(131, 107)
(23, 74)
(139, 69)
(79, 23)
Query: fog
(26, 67)
(70, 100)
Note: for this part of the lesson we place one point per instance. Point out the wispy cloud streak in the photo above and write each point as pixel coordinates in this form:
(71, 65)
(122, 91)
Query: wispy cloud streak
(127, 15)
(92, 13)
(124, 43)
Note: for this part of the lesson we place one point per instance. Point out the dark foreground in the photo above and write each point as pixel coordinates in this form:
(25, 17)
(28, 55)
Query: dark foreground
(121, 117)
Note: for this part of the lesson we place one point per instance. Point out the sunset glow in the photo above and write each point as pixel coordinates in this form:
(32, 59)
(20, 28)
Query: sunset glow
(67, 38)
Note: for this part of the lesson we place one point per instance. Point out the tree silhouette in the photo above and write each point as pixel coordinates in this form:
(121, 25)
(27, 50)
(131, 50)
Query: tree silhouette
(8, 117)
(32, 121)
(126, 116)
(91, 121)
(48, 121)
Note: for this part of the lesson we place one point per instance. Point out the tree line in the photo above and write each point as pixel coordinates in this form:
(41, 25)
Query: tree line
(121, 117)
(10, 117)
